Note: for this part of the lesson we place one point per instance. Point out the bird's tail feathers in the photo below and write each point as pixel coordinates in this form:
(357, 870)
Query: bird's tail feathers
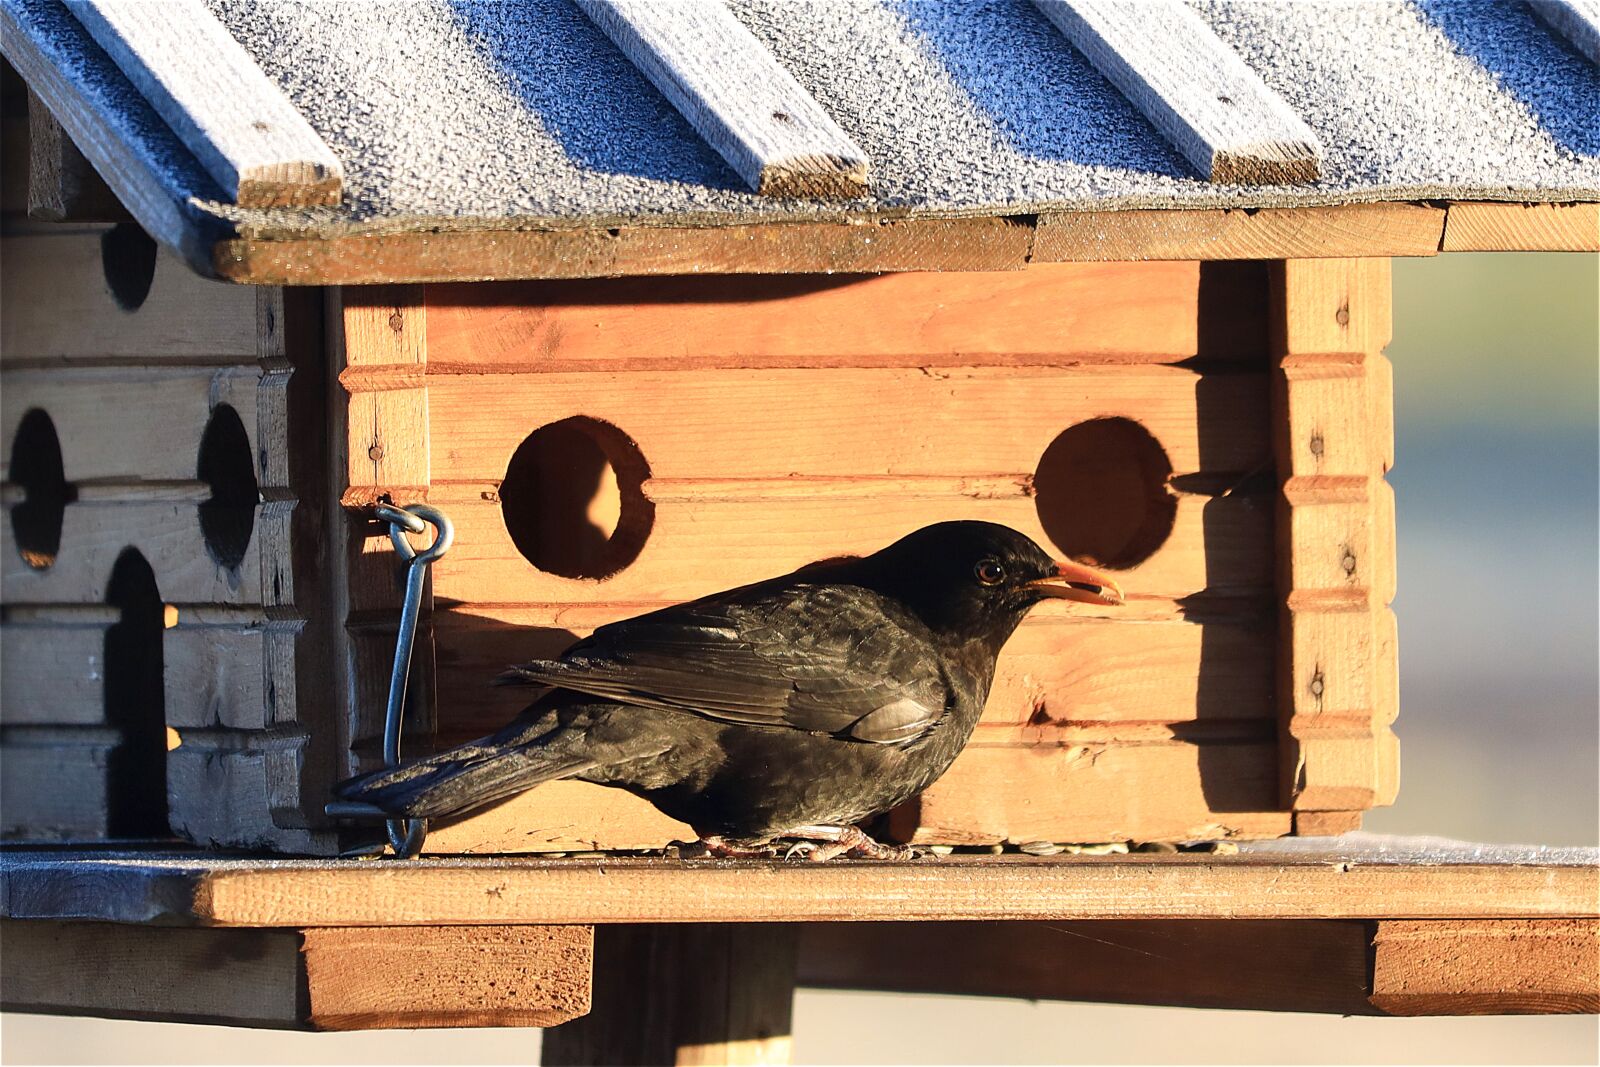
(459, 779)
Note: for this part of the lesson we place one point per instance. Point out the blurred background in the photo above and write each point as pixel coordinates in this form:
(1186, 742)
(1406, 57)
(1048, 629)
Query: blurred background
(1497, 377)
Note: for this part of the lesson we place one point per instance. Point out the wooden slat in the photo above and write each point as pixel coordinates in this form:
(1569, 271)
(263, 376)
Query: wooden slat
(736, 95)
(767, 248)
(54, 673)
(235, 120)
(1271, 233)
(92, 537)
(693, 995)
(1099, 792)
(1193, 88)
(57, 309)
(1058, 674)
(1050, 314)
(128, 427)
(695, 548)
(319, 979)
(1250, 964)
(565, 816)
(1345, 967)
(1493, 967)
(1576, 20)
(993, 422)
(62, 185)
(53, 782)
(1367, 877)
(874, 244)
(1487, 227)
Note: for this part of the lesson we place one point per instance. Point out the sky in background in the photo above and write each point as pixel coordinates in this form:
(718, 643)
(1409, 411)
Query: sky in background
(1496, 477)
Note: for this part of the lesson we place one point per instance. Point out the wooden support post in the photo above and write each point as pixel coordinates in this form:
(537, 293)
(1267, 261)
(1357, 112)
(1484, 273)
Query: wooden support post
(382, 432)
(700, 994)
(326, 978)
(1333, 420)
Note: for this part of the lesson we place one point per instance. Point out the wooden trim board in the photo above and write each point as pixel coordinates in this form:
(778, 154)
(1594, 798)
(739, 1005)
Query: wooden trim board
(1193, 88)
(744, 104)
(371, 978)
(1343, 967)
(1288, 880)
(227, 112)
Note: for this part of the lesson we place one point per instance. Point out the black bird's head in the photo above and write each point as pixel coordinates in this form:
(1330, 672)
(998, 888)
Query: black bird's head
(970, 580)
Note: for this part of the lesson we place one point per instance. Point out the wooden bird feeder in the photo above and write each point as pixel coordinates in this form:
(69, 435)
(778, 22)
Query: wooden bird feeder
(224, 342)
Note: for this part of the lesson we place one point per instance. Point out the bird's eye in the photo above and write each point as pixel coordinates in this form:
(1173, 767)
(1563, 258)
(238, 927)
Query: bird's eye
(989, 572)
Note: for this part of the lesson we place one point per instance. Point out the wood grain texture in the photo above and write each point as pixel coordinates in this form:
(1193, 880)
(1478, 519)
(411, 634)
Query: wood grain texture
(118, 425)
(1050, 314)
(1251, 964)
(1193, 88)
(693, 994)
(1576, 20)
(53, 782)
(1487, 227)
(874, 244)
(566, 816)
(318, 979)
(1334, 420)
(62, 185)
(736, 95)
(228, 113)
(1219, 548)
(1364, 878)
(57, 308)
(989, 422)
(383, 978)
(387, 442)
(1493, 967)
(1094, 790)
(64, 70)
(871, 244)
(1335, 231)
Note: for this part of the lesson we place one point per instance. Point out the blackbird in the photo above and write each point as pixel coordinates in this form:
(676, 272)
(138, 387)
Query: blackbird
(792, 708)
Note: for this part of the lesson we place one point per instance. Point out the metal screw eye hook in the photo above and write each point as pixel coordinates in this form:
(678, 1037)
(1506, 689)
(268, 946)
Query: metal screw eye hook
(406, 835)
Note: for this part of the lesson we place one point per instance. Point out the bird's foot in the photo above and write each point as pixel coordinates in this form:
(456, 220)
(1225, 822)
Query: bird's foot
(722, 848)
(821, 843)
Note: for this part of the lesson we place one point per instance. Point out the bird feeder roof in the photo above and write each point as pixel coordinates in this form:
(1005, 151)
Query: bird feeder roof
(510, 128)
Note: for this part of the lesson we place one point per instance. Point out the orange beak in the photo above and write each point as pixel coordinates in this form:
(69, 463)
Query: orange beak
(1073, 581)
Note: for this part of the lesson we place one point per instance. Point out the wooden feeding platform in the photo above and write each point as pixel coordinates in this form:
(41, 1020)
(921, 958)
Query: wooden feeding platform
(1361, 925)
(1165, 288)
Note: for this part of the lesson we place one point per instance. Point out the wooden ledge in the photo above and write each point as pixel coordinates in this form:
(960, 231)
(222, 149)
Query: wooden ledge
(1358, 877)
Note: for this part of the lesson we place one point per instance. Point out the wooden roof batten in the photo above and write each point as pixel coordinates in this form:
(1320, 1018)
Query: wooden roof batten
(736, 96)
(1193, 88)
(230, 115)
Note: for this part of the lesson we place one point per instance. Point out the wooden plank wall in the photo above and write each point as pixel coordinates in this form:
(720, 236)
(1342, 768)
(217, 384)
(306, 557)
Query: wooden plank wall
(784, 420)
(131, 358)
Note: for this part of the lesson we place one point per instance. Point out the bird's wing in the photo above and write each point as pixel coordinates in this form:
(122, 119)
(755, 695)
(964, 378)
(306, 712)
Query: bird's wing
(821, 658)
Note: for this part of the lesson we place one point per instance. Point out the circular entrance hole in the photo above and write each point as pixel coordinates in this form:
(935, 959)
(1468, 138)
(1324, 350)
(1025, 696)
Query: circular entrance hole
(128, 259)
(1101, 491)
(228, 516)
(36, 467)
(573, 499)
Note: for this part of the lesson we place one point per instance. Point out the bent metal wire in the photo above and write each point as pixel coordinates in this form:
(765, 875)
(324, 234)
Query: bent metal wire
(405, 835)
